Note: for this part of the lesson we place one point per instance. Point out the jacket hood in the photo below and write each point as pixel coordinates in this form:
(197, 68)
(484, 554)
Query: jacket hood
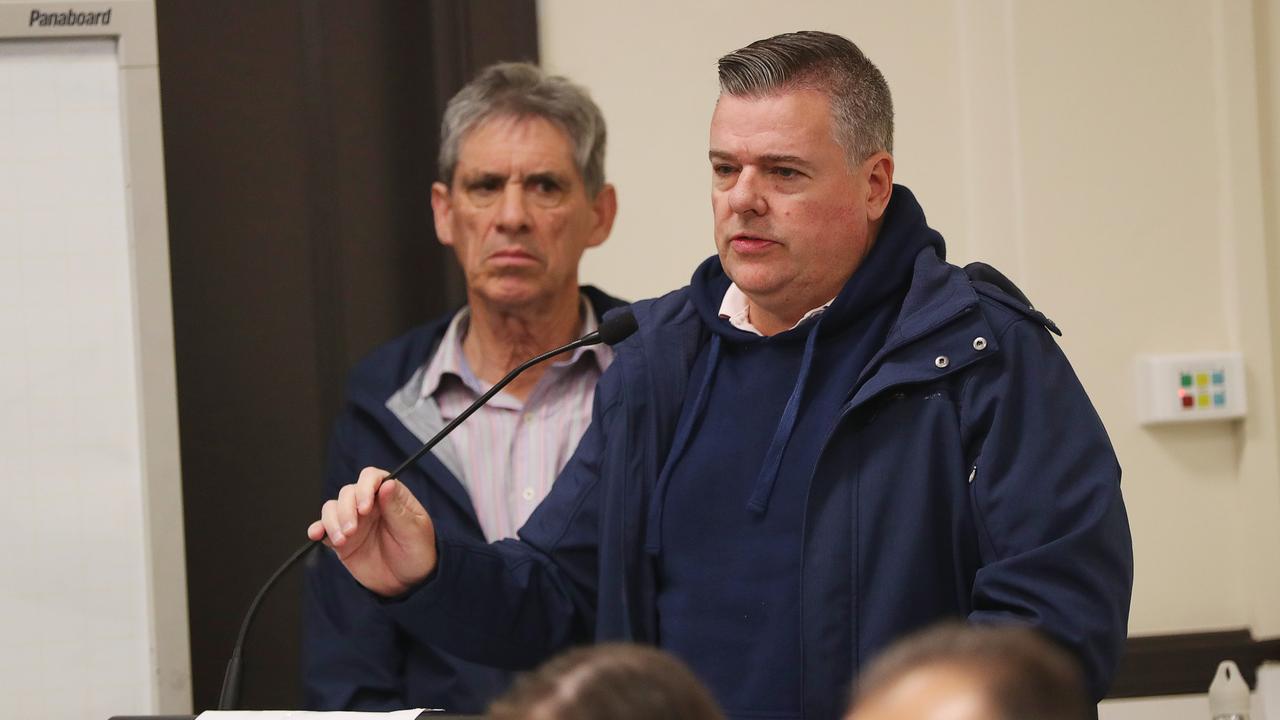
(887, 269)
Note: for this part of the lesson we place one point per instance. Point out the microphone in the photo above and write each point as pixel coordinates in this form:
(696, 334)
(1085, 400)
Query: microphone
(615, 328)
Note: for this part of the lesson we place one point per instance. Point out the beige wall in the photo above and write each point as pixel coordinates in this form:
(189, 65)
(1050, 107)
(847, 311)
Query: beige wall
(1104, 153)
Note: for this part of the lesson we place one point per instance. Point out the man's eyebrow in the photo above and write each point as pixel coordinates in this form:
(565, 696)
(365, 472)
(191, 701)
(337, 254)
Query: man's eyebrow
(481, 176)
(545, 175)
(767, 159)
(785, 160)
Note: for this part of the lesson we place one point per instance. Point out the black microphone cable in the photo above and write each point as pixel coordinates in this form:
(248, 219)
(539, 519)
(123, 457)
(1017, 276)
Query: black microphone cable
(614, 329)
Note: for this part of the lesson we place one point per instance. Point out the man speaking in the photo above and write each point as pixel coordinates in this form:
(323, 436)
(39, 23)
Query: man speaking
(830, 438)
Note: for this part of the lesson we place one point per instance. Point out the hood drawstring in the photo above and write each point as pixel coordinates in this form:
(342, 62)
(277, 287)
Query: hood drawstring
(759, 502)
(653, 531)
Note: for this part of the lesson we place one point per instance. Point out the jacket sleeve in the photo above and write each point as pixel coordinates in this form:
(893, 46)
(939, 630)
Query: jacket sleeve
(514, 603)
(353, 658)
(1054, 538)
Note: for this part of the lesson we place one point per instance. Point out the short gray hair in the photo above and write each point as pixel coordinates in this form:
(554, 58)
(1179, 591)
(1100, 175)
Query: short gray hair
(523, 90)
(861, 105)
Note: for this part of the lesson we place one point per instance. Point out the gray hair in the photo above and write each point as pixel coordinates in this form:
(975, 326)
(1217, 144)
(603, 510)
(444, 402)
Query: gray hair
(810, 60)
(523, 90)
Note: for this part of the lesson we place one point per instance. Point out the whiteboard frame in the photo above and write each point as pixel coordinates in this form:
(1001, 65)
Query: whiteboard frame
(133, 26)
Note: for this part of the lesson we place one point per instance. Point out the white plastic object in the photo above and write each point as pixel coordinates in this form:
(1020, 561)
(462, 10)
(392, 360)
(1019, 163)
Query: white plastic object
(1229, 693)
(1190, 387)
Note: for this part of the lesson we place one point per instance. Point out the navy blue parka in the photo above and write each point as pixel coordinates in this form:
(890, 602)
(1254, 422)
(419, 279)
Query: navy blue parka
(967, 476)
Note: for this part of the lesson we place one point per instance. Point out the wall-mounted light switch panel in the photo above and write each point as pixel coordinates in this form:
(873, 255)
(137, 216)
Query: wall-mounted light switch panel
(1189, 387)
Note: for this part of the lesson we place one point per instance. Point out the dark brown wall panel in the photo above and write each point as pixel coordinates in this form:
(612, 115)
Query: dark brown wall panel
(300, 143)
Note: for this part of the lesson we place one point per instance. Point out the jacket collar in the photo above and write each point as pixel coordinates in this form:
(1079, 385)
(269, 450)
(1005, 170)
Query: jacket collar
(939, 331)
(390, 366)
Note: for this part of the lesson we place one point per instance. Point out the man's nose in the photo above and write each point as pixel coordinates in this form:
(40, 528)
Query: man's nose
(746, 195)
(513, 210)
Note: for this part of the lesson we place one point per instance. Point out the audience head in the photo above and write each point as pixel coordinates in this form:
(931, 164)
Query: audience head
(608, 682)
(957, 672)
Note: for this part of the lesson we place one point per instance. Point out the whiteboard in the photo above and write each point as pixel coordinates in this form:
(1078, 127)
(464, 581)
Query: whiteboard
(74, 606)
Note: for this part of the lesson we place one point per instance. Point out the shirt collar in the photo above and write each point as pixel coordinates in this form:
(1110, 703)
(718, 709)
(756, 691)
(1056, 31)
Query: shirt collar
(449, 358)
(736, 309)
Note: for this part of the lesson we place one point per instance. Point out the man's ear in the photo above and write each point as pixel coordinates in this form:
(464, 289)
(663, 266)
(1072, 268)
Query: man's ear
(442, 209)
(879, 169)
(605, 208)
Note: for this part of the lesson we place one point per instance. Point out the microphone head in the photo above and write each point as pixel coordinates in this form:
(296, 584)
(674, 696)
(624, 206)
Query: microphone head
(617, 326)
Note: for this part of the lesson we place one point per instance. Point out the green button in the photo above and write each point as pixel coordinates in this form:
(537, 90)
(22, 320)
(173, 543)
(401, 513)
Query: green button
(1186, 380)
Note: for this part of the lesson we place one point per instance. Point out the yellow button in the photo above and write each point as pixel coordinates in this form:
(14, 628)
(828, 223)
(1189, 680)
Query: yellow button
(1202, 378)
(1203, 400)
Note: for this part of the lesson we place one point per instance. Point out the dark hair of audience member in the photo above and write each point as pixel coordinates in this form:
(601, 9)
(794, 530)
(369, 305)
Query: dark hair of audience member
(1024, 675)
(607, 682)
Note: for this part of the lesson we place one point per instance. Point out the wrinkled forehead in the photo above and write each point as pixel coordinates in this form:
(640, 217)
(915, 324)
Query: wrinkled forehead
(532, 143)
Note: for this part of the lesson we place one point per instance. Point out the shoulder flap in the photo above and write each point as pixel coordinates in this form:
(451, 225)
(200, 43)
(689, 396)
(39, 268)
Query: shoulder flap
(992, 283)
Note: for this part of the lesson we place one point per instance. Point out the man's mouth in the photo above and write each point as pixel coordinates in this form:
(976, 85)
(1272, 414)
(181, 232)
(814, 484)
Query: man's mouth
(512, 255)
(744, 243)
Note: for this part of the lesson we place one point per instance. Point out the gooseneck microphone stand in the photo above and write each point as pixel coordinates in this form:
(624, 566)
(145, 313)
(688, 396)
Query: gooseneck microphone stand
(615, 328)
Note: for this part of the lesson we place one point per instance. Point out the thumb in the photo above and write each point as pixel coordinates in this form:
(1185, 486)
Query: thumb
(400, 509)
(411, 550)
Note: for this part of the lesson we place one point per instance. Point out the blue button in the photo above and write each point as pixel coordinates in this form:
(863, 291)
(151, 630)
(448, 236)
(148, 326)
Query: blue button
(1219, 399)
(1218, 378)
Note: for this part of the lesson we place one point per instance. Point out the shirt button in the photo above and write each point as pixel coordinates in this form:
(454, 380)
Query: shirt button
(941, 361)
(527, 494)
(979, 344)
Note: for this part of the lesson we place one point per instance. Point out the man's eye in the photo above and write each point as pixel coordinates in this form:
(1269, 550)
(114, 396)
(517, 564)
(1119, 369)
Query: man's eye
(546, 186)
(722, 169)
(786, 172)
(487, 185)
(546, 191)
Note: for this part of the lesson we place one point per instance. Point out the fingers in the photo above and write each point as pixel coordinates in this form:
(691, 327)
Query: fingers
(345, 510)
(366, 488)
(329, 521)
(340, 518)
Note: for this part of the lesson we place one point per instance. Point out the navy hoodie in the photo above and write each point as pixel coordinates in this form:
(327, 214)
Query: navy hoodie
(968, 477)
(729, 581)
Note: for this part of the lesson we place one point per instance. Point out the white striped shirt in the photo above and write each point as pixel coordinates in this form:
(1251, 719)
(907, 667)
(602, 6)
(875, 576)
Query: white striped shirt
(508, 453)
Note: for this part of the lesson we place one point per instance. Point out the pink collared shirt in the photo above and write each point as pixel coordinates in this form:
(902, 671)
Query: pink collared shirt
(508, 453)
(736, 309)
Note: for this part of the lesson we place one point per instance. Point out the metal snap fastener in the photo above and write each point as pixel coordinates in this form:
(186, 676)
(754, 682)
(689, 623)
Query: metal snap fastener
(979, 343)
(941, 361)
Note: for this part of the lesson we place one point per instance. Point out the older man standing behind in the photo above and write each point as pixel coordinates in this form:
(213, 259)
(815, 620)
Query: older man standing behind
(521, 197)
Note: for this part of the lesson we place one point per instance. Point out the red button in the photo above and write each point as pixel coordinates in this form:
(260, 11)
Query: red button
(1188, 402)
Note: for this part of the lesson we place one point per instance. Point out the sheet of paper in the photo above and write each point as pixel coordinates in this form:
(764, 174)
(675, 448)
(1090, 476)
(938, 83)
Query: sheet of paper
(306, 715)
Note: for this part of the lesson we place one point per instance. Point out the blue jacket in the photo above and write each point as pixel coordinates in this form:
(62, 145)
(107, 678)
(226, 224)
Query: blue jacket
(967, 477)
(354, 656)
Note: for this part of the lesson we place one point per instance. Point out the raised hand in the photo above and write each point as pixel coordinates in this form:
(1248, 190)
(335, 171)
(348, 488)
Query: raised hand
(381, 533)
